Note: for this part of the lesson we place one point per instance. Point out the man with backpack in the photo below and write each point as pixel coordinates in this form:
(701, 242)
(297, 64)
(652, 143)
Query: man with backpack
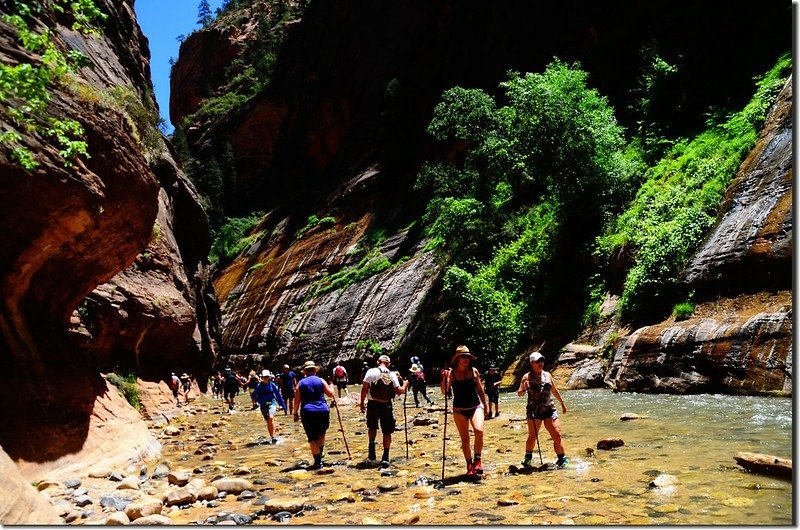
(379, 388)
(340, 378)
(174, 385)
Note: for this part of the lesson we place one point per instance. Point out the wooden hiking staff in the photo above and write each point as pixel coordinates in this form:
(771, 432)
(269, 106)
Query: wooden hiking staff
(444, 433)
(405, 420)
(341, 426)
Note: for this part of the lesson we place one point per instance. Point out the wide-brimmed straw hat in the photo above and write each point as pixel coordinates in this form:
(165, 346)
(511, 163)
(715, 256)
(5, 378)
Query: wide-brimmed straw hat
(414, 368)
(461, 350)
(309, 365)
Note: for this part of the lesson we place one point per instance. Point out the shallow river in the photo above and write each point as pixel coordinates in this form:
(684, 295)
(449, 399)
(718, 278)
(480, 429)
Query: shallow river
(691, 437)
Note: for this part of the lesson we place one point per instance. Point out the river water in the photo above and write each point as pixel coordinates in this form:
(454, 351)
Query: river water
(690, 437)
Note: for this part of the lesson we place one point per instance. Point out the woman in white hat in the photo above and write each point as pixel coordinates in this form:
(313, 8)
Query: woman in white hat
(540, 387)
(469, 405)
(268, 397)
(311, 391)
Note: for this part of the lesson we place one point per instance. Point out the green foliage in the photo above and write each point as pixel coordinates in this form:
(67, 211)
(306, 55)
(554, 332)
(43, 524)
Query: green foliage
(683, 310)
(678, 203)
(371, 345)
(128, 387)
(370, 265)
(234, 237)
(314, 221)
(553, 157)
(26, 87)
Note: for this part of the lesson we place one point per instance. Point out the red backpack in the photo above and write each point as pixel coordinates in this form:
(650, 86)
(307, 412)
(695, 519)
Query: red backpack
(338, 371)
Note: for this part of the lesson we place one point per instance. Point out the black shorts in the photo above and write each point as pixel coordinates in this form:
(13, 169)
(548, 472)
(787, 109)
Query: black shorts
(341, 384)
(380, 413)
(315, 423)
(493, 397)
(230, 391)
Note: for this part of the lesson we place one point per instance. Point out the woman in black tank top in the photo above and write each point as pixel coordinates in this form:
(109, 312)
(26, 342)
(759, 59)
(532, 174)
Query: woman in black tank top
(469, 405)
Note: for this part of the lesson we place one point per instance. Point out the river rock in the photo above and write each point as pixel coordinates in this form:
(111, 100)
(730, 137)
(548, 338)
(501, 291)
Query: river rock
(153, 520)
(629, 416)
(117, 519)
(664, 481)
(207, 493)
(425, 420)
(143, 508)
(404, 519)
(610, 443)
(180, 496)
(43, 485)
(72, 483)
(179, 477)
(82, 500)
(101, 472)
(286, 504)
(171, 430)
(160, 471)
(232, 485)
(129, 483)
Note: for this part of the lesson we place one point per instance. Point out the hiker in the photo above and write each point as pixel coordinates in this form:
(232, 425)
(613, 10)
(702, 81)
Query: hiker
(340, 378)
(491, 382)
(415, 360)
(379, 388)
(444, 372)
(251, 384)
(288, 382)
(540, 387)
(186, 385)
(417, 378)
(174, 385)
(311, 391)
(364, 370)
(268, 397)
(469, 405)
(230, 387)
(216, 385)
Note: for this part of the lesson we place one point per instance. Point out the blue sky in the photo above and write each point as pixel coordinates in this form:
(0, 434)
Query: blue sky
(162, 22)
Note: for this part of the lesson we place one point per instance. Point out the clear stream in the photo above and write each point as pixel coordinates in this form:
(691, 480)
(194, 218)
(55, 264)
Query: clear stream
(691, 437)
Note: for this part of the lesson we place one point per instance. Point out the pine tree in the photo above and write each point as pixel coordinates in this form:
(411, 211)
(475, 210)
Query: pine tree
(204, 17)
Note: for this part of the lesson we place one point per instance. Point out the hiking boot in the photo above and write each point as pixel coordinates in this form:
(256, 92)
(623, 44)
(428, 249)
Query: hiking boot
(489, 416)
(274, 441)
(527, 463)
(477, 468)
(470, 470)
(497, 414)
(562, 461)
(385, 464)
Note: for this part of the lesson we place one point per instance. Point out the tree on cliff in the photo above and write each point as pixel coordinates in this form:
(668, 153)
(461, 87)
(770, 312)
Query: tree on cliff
(204, 15)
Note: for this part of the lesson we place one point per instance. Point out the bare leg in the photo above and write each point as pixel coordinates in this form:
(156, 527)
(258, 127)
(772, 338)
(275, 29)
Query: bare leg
(554, 428)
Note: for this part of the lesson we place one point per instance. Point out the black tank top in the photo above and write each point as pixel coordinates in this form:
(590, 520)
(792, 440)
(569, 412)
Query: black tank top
(465, 392)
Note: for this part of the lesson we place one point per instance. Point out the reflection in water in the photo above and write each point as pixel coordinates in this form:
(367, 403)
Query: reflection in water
(691, 437)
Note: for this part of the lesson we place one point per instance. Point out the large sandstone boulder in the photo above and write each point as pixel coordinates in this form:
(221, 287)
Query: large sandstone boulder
(22, 504)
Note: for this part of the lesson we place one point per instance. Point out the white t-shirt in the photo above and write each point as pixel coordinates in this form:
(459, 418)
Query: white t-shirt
(374, 373)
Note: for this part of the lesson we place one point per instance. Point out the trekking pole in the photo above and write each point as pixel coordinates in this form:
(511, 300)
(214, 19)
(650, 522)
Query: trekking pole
(405, 420)
(444, 433)
(341, 426)
(536, 436)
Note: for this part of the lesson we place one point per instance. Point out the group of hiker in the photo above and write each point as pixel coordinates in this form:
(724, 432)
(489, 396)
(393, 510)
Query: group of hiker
(306, 396)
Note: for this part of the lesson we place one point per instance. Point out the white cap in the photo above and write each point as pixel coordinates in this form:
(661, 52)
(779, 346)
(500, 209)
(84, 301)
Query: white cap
(384, 359)
(266, 373)
(535, 356)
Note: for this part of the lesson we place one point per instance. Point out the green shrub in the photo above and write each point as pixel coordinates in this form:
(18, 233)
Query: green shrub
(370, 345)
(128, 387)
(678, 203)
(683, 310)
(232, 238)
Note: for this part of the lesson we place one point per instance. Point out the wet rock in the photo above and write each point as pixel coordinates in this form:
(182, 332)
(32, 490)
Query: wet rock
(664, 481)
(117, 519)
(79, 492)
(180, 497)
(72, 483)
(101, 472)
(232, 485)
(160, 471)
(610, 443)
(114, 502)
(281, 517)
(82, 500)
(425, 420)
(153, 520)
(207, 493)
(285, 504)
(243, 470)
(245, 495)
(129, 483)
(116, 476)
(404, 519)
(511, 500)
(172, 431)
(261, 500)
(383, 488)
(179, 477)
(72, 515)
(629, 416)
(143, 508)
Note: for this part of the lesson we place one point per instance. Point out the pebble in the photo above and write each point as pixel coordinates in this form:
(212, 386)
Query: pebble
(82, 500)
(72, 483)
(117, 519)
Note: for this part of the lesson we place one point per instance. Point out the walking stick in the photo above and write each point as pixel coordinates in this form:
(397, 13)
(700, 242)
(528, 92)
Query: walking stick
(341, 426)
(405, 420)
(444, 433)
